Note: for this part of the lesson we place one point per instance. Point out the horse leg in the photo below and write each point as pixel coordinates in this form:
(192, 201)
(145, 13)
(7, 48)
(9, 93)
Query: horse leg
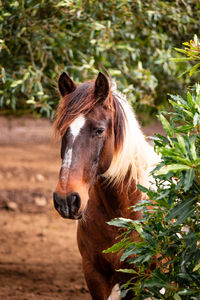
(99, 288)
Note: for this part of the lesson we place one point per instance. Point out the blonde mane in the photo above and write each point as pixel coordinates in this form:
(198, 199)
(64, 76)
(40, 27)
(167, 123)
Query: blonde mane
(135, 155)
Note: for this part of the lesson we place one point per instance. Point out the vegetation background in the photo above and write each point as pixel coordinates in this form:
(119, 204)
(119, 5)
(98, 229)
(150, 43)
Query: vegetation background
(132, 40)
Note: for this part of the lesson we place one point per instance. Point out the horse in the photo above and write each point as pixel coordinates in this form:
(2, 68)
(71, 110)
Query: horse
(104, 156)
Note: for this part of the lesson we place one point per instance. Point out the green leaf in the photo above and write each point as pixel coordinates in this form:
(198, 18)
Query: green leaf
(155, 282)
(182, 211)
(121, 222)
(183, 73)
(142, 188)
(194, 68)
(181, 143)
(184, 128)
(189, 177)
(166, 125)
(117, 246)
(129, 271)
(127, 253)
(177, 98)
(16, 83)
(177, 297)
(187, 292)
(172, 168)
(181, 59)
(138, 228)
(190, 99)
(181, 50)
(197, 267)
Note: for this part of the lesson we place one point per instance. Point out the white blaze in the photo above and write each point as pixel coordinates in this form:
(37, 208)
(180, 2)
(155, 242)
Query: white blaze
(67, 159)
(76, 126)
(74, 129)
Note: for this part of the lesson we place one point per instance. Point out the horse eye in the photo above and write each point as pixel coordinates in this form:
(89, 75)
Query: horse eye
(99, 131)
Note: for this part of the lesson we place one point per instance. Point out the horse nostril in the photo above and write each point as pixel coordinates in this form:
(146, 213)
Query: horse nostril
(74, 202)
(58, 202)
(68, 207)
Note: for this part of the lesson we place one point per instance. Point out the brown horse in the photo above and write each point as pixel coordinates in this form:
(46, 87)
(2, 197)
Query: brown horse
(104, 155)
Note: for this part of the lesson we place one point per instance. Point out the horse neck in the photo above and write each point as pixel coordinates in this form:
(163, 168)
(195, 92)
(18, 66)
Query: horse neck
(117, 198)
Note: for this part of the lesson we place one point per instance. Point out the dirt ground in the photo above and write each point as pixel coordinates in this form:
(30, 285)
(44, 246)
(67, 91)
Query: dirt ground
(39, 258)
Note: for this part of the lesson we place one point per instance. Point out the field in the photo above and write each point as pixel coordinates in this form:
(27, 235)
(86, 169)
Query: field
(39, 258)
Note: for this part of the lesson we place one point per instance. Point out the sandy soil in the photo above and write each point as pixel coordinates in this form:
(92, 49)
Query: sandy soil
(39, 258)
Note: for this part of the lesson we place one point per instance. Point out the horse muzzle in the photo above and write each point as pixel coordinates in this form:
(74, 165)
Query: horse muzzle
(68, 207)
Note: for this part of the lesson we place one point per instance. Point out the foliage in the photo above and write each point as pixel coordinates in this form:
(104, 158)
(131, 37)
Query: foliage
(192, 51)
(133, 40)
(166, 260)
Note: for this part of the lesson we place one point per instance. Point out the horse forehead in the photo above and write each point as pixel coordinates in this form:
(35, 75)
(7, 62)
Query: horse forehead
(99, 113)
(77, 125)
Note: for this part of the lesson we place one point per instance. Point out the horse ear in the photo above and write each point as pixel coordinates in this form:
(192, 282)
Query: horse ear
(101, 87)
(65, 84)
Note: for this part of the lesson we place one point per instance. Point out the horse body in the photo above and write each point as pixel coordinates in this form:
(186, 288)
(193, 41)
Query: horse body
(104, 156)
(94, 236)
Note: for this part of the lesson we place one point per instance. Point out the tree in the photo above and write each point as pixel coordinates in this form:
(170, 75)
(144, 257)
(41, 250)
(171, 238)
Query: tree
(133, 40)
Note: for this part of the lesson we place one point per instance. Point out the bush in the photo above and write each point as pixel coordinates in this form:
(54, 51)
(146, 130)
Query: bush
(133, 40)
(170, 230)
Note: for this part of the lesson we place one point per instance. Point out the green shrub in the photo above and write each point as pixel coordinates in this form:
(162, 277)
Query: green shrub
(133, 40)
(170, 230)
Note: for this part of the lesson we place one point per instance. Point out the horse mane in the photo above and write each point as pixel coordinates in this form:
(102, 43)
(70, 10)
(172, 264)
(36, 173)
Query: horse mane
(135, 156)
(132, 155)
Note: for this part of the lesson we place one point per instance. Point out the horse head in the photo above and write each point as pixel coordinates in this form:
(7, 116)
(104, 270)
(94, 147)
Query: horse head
(85, 122)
